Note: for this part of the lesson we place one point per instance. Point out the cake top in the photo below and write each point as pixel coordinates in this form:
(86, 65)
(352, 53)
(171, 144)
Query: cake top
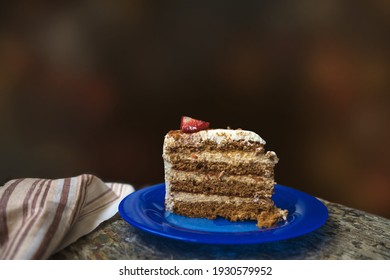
(217, 135)
(197, 130)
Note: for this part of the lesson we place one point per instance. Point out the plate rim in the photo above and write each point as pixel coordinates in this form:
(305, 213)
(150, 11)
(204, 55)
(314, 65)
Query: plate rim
(197, 236)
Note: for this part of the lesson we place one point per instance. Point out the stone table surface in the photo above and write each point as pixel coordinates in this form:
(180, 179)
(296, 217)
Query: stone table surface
(347, 234)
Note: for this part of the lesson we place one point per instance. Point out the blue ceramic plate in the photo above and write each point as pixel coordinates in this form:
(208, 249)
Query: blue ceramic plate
(144, 209)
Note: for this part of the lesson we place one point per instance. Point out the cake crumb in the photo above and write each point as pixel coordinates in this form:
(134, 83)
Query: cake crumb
(220, 175)
(267, 219)
(259, 151)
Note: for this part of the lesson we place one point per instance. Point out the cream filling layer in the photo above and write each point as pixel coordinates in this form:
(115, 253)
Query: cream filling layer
(182, 176)
(229, 157)
(184, 196)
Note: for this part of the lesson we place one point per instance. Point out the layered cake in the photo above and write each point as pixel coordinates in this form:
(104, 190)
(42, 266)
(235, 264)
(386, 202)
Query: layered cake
(212, 173)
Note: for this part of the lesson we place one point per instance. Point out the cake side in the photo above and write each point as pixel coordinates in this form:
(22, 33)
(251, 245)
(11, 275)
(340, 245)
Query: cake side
(247, 171)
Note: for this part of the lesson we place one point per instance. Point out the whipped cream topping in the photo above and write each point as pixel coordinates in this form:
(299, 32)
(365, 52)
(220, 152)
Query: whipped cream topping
(221, 135)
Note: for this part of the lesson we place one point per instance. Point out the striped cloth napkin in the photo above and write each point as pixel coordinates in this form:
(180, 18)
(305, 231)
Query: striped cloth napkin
(39, 217)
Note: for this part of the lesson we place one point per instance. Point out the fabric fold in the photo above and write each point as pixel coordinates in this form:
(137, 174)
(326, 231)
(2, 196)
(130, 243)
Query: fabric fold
(39, 217)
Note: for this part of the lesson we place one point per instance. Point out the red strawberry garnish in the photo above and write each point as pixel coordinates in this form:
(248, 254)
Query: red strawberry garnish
(190, 125)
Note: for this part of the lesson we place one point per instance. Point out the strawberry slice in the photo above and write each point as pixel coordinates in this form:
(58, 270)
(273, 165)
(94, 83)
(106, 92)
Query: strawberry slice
(190, 125)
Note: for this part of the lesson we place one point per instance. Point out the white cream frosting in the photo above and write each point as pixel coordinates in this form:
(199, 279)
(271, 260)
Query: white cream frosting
(179, 175)
(229, 157)
(220, 135)
(183, 196)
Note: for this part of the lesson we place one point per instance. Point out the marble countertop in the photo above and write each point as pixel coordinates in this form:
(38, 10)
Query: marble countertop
(347, 234)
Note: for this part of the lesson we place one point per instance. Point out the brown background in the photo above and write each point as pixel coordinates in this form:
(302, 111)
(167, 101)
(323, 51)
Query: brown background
(93, 86)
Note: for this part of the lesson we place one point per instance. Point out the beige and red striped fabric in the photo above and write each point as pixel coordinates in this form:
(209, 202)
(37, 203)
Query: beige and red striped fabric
(38, 217)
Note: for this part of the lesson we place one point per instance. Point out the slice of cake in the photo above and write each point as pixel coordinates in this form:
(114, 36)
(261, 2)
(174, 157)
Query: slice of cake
(219, 172)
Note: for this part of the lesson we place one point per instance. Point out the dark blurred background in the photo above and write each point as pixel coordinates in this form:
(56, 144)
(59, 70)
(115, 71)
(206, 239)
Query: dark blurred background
(92, 86)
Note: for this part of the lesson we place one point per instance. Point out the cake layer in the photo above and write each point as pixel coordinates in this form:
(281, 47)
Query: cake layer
(233, 209)
(211, 206)
(244, 186)
(212, 146)
(217, 139)
(229, 169)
